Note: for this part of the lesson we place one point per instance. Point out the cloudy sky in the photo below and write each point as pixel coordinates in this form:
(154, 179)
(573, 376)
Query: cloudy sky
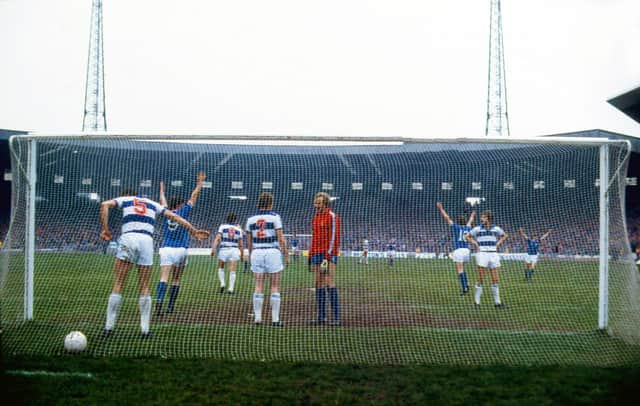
(414, 68)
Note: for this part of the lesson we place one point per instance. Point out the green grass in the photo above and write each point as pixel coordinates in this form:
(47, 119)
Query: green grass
(410, 314)
(143, 381)
(544, 349)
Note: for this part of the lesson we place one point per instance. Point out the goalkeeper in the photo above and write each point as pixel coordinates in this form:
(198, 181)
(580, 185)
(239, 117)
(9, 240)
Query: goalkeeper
(325, 242)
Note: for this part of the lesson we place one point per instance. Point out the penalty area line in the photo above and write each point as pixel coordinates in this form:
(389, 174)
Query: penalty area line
(514, 332)
(52, 374)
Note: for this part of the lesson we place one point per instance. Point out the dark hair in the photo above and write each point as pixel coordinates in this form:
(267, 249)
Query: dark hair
(461, 220)
(128, 192)
(488, 214)
(265, 201)
(175, 201)
(231, 218)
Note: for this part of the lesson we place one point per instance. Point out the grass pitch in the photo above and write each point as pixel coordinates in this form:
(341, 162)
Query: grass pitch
(408, 313)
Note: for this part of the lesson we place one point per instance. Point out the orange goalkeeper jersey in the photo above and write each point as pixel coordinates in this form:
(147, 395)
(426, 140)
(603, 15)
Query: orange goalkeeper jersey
(326, 234)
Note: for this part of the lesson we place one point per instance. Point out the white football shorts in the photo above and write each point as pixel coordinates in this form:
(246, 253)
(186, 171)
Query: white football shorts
(531, 259)
(461, 255)
(176, 256)
(229, 254)
(487, 259)
(136, 248)
(266, 261)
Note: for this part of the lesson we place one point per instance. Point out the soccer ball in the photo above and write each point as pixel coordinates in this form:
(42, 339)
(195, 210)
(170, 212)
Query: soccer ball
(75, 341)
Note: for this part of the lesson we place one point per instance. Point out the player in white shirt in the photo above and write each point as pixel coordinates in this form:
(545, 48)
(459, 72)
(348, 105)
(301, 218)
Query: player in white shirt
(135, 246)
(267, 249)
(364, 259)
(487, 238)
(229, 247)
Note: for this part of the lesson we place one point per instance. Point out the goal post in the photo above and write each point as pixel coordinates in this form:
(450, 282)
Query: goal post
(385, 191)
(30, 237)
(603, 291)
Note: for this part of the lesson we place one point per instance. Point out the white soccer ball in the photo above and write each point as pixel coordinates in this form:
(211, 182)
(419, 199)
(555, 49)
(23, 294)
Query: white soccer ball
(75, 341)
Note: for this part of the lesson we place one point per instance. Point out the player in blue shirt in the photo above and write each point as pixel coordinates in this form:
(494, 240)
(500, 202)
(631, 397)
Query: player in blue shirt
(533, 250)
(295, 247)
(173, 251)
(461, 252)
(391, 253)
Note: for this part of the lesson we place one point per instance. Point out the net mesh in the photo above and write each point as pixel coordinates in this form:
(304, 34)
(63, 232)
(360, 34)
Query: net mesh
(403, 304)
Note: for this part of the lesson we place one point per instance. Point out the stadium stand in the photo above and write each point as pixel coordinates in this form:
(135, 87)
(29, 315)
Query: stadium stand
(403, 215)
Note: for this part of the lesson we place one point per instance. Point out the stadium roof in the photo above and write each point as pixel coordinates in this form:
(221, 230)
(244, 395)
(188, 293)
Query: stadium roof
(628, 103)
(347, 149)
(5, 134)
(635, 142)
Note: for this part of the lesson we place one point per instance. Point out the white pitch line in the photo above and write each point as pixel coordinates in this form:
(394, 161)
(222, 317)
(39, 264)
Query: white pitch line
(20, 372)
(478, 331)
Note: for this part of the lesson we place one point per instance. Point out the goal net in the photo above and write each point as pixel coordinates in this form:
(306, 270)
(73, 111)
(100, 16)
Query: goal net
(561, 289)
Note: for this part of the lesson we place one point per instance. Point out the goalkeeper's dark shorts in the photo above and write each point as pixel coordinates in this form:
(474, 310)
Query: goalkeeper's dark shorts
(316, 259)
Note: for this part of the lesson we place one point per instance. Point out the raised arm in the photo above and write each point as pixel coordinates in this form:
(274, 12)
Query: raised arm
(196, 192)
(471, 218)
(198, 234)
(523, 234)
(545, 235)
(104, 219)
(444, 214)
(163, 198)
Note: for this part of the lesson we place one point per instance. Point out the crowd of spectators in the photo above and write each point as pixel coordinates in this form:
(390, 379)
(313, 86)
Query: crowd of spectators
(430, 234)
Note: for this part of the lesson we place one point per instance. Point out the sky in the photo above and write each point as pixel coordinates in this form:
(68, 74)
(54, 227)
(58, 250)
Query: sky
(401, 68)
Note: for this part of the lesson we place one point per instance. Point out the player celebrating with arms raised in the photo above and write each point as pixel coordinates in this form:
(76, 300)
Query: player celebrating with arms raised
(461, 253)
(173, 252)
(267, 247)
(135, 246)
(325, 242)
(229, 238)
(533, 249)
(487, 238)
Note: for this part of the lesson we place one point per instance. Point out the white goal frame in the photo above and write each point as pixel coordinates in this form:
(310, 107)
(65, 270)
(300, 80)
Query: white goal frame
(30, 173)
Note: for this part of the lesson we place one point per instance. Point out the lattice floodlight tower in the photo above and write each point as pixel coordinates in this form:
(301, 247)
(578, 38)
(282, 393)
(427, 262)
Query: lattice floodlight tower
(56, 273)
(94, 98)
(497, 115)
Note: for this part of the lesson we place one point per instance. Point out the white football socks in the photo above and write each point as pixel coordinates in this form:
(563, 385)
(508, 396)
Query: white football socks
(275, 307)
(496, 293)
(145, 313)
(221, 277)
(258, 299)
(232, 281)
(112, 310)
(478, 293)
